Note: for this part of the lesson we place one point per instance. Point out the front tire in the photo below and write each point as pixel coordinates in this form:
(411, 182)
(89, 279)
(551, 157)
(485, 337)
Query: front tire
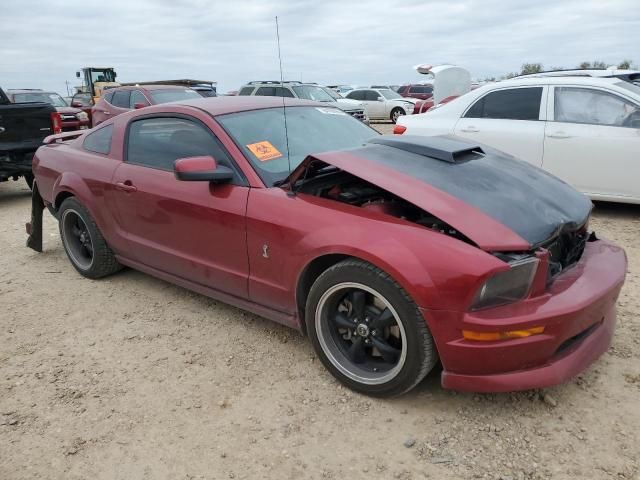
(367, 331)
(82, 240)
(396, 113)
(28, 177)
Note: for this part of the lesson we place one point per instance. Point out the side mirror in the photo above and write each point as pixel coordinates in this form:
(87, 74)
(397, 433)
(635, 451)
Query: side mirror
(78, 74)
(201, 169)
(381, 99)
(139, 105)
(76, 104)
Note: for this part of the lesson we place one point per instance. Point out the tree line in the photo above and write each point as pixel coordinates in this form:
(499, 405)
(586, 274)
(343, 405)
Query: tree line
(528, 68)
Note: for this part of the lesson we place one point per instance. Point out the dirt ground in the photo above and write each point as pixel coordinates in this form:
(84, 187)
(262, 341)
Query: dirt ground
(133, 378)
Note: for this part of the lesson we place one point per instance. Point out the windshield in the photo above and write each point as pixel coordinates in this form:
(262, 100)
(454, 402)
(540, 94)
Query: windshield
(173, 95)
(311, 92)
(50, 98)
(332, 93)
(389, 94)
(260, 134)
(103, 76)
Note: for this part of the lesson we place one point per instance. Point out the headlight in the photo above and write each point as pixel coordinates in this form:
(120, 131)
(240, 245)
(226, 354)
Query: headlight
(82, 116)
(508, 286)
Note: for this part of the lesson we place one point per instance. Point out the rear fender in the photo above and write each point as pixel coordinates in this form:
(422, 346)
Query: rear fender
(72, 183)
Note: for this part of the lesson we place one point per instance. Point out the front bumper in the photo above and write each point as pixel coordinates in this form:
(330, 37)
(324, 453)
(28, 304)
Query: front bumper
(577, 311)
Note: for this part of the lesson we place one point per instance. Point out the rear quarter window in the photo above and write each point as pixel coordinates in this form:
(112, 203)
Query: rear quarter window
(245, 91)
(99, 141)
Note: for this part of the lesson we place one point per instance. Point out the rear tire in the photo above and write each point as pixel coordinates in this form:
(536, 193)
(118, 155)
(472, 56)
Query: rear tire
(367, 331)
(82, 240)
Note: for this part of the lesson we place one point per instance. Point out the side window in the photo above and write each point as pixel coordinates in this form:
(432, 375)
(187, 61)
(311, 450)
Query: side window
(99, 141)
(371, 96)
(585, 105)
(356, 95)
(282, 92)
(245, 91)
(266, 91)
(121, 98)
(402, 90)
(509, 104)
(108, 96)
(137, 97)
(160, 141)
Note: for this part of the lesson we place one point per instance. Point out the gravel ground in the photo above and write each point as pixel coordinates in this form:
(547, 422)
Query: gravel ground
(133, 378)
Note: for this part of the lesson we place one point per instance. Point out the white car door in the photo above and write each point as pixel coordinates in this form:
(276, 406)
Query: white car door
(376, 108)
(593, 142)
(508, 119)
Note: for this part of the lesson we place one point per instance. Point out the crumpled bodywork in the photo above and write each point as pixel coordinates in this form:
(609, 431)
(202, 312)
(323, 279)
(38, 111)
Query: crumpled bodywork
(498, 202)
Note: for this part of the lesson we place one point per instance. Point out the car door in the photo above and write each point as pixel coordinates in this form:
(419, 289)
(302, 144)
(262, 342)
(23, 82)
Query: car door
(508, 119)
(593, 141)
(109, 106)
(192, 230)
(376, 107)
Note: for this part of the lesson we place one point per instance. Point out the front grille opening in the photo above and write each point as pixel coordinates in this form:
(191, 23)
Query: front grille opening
(565, 251)
(567, 344)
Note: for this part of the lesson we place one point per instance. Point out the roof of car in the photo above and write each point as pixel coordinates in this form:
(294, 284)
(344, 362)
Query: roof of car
(573, 80)
(28, 90)
(231, 104)
(149, 87)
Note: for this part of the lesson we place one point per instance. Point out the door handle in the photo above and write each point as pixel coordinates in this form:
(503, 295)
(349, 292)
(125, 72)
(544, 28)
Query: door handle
(126, 187)
(470, 129)
(558, 135)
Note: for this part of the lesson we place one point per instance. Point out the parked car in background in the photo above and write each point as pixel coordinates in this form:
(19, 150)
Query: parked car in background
(391, 253)
(83, 101)
(382, 103)
(23, 126)
(341, 89)
(346, 101)
(304, 91)
(422, 91)
(122, 99)
(584, 130)
(71, 118)
(206, 88)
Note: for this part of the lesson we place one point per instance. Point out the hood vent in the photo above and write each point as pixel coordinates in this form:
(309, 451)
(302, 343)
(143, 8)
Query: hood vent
(440, 148)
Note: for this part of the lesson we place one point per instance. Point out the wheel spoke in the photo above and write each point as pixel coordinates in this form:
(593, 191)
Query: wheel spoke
(389, 353)
(341, 321)
(385, 319)
(356, 351)
(358, 298)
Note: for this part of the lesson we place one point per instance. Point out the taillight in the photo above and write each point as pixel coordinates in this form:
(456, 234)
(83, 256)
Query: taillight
(399, 129)
(56, 123)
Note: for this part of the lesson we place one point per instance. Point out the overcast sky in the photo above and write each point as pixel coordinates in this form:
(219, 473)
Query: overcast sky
(43, 43)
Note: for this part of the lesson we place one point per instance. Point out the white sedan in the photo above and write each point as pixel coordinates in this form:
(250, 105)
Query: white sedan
(584, 130)
(383, 103)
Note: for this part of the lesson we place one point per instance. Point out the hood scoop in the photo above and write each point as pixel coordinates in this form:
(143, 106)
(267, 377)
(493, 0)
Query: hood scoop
(439, 148)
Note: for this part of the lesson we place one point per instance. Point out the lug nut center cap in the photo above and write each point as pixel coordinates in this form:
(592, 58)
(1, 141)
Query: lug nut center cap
(362, 330)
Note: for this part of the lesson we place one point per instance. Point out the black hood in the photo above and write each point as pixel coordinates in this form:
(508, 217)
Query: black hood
(531, 202)
(526, 205)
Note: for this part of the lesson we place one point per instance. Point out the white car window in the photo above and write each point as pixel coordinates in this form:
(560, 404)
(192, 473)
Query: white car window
(585, 105)
(508, 104)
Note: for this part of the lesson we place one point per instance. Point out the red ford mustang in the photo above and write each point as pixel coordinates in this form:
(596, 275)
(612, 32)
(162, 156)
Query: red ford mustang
(390, 253)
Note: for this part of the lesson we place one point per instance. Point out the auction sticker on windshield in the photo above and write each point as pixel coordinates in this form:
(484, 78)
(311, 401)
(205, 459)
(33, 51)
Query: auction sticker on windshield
(264, 151)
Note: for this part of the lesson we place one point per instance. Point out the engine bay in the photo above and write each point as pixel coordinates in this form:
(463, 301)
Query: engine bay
(346, 188)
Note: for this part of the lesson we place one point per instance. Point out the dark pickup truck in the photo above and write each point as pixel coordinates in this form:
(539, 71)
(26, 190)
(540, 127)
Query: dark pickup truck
(23, 126)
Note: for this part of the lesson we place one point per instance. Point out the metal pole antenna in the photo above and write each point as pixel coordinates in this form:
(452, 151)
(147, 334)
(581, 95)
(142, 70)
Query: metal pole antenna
(284, 108)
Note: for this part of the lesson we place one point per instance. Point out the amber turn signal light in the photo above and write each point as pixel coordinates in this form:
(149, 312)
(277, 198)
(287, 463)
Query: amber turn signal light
(493, 336)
